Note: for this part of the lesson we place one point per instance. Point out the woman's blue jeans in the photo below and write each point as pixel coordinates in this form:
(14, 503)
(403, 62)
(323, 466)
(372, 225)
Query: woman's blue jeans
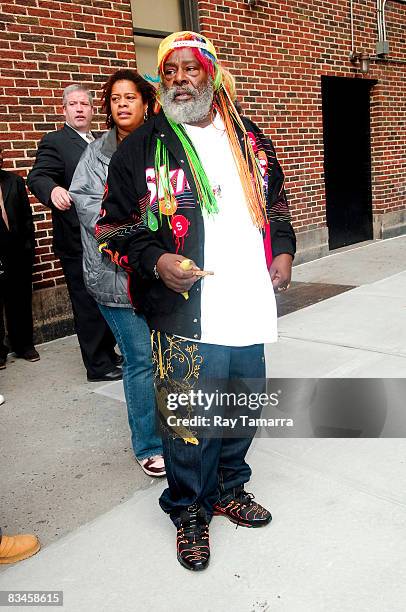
(134, 340)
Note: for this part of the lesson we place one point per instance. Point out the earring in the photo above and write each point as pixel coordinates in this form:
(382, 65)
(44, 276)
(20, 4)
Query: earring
(145, 115)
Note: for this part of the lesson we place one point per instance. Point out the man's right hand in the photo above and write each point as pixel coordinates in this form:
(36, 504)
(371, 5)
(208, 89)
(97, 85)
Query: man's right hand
(172, 274)
(60, 198)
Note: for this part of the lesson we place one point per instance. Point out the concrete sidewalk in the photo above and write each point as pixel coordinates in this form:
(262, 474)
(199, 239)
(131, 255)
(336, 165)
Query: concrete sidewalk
(337, 541)
(358, 333)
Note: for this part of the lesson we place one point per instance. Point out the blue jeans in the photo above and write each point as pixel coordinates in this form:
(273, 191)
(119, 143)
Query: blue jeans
(202, 473)
(134, 340)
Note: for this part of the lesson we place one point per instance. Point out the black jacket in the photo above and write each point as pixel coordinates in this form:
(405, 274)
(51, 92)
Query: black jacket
(19, 239)
(124, 233)
(57, 157)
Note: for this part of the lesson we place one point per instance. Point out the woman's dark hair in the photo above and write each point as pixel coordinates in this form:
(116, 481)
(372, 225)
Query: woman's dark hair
(147, 91)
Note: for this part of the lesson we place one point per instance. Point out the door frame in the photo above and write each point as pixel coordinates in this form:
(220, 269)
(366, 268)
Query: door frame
(369, 83)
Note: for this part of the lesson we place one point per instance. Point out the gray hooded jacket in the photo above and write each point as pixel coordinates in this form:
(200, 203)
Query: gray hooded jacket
(105, 281)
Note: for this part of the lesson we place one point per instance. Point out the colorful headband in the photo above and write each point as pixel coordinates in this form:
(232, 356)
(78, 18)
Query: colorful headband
(177, 40)
(224, 89)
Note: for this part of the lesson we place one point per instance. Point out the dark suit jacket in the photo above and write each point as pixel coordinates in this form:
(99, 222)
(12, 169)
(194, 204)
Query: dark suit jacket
(19, 240)
(57, 157)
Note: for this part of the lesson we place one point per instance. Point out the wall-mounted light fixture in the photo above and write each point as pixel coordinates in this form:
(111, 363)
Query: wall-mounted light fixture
(252, 3)
(362, 60)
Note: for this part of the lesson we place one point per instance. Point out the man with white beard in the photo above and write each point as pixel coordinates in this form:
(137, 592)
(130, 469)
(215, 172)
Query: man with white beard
(198, 187)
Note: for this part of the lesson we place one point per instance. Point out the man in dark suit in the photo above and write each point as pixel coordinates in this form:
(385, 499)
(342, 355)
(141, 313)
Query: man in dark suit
(49, 180)
(17, 256)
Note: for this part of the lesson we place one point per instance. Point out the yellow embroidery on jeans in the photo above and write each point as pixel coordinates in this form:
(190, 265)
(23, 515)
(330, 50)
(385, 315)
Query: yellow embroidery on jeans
(163, 362)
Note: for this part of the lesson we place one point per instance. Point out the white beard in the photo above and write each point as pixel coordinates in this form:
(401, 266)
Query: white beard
(190, 111)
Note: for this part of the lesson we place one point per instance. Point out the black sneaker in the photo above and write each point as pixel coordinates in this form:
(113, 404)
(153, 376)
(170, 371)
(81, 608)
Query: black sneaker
(193, 539)
(240, 508)
(118, 360)
(115, 374)
(30, 354)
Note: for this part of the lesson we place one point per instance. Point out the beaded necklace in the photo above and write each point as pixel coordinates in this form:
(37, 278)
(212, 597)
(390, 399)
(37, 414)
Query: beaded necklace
(246, 162)
(206, 197)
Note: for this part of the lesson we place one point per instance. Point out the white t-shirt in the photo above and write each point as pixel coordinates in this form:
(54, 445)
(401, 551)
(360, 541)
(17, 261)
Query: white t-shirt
(238, 305)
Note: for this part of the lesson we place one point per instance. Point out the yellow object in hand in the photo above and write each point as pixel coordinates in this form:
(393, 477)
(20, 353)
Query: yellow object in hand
(186, 264)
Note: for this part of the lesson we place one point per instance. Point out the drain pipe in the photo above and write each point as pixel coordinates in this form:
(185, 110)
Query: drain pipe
(352, 29)
(379, 21)
(384, 22)
(354, 56)
(382, 45)
(361, 59)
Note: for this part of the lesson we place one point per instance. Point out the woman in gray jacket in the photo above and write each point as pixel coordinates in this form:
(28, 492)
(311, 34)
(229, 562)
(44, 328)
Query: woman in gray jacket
(127, 101)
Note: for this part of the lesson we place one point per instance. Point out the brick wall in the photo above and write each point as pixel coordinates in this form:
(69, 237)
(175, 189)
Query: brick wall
(278, 51)
(44, 46)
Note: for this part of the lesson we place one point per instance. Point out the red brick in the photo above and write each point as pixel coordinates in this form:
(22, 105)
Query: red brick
(278, 52)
